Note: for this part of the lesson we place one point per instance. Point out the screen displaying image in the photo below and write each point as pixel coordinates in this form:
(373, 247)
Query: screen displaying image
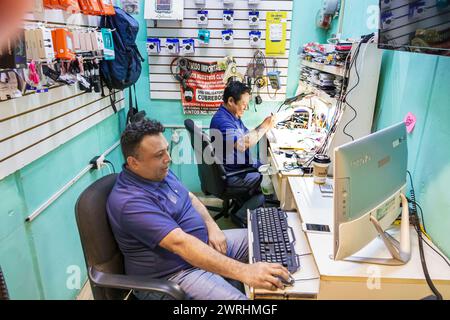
(417, 26)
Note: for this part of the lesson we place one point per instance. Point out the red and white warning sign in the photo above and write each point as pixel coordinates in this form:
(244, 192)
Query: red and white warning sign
(203, 90)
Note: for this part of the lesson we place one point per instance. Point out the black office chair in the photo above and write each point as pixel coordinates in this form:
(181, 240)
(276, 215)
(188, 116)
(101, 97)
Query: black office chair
(213, 177)
(104, 261)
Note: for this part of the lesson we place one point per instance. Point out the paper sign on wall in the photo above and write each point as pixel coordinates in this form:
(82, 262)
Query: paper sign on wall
(276, 33)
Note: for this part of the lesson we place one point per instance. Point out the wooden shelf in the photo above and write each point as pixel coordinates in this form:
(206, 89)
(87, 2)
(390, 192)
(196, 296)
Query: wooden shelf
(338, 71)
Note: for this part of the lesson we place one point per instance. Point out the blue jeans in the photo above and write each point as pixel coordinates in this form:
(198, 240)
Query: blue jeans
(199, 284)
(250, 181)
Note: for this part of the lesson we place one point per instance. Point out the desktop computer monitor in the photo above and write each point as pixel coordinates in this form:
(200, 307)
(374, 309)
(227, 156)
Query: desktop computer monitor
(369, 178)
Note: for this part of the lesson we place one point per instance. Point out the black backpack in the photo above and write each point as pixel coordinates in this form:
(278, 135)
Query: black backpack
(125, 70)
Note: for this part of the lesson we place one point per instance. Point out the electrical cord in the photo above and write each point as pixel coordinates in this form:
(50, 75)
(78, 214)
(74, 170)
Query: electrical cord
(365, 39)
(414, 203)
(424, 265)
(354, 62)
(413, 200)
(109, 168)
(338, 110)
(112, 165)
(281, 105)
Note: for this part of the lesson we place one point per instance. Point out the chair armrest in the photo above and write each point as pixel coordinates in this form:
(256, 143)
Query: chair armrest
(239, 172)
(146, 283)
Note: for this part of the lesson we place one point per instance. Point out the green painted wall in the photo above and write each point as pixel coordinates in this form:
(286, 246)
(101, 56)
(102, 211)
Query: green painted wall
(35, 256)
(170, 112)
(416, 83)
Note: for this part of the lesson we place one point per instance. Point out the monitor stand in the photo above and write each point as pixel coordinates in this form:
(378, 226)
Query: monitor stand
(400, 251)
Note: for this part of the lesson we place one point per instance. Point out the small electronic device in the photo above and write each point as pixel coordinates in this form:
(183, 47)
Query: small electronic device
(316, 228)
(202, 17)
(203, 36)
(228, 17)
(255, 38)
(253, 18)
(227, 36)
(188, 46)
(164, 9)
(274, 79)
(163, 6)
(326, 188)
(173, 45)
(153, 45)
(261, 82)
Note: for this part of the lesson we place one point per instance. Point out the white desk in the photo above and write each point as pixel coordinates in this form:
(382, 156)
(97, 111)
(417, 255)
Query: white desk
(285, 140)
(341, 279)
(350, 280)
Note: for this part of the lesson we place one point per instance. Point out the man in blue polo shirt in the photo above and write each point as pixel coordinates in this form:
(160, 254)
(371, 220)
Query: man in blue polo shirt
(164, 231)
(237, 141)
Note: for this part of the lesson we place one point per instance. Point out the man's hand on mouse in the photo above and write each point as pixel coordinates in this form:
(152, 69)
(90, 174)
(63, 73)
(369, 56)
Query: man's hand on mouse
(266, 276)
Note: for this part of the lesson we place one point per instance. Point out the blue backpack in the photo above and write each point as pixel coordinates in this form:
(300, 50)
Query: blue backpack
(125, 70)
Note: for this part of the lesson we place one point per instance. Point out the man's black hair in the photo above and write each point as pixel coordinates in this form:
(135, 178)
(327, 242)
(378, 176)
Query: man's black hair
(235, 89)
(135, 132)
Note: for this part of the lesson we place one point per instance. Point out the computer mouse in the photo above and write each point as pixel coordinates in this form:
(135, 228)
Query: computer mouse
(289, 282)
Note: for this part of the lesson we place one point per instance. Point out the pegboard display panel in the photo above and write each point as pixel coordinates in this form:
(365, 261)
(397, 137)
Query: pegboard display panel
(163, 85)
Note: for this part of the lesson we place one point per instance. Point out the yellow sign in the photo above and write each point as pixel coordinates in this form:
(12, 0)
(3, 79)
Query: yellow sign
(276, 25)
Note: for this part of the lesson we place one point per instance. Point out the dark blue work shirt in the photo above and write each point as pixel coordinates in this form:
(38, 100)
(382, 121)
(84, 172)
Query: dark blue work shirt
(142, 212)
(231, 128)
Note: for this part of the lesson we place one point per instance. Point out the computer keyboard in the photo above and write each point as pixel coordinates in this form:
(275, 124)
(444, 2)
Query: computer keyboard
(271, 240)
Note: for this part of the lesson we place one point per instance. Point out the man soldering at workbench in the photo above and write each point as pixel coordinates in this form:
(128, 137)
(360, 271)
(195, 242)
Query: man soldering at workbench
(237, 140)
